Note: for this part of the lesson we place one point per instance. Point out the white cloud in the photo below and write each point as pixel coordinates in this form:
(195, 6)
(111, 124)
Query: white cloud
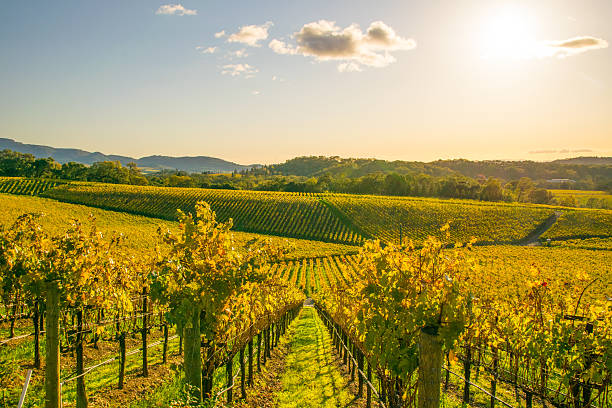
(207, 50)
(175, 9)
(251, 34)
(281, 47)
(324, 40)
(572, 46)
(349, 67)
(220, 34)
(242, 53)
(550, 151)
(526, 48)
(234, 70)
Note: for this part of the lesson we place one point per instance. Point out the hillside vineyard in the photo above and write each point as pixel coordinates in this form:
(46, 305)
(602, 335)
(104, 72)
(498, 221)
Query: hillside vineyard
(344, 218)
(524, 318)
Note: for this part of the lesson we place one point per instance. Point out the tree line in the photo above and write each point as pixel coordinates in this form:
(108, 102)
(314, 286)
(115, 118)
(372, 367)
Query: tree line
(421, 181)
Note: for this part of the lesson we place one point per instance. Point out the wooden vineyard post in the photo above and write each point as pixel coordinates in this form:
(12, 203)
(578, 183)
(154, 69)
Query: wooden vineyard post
(193, 357)
(145, 363)
(52, 353)
(586, 389)
(268, 332)
(251, 362)
(265, 346)
(229, 369)
(242, 375)
(430, 366)
(36, 335)
(165, 350)
(259, 352)
(447, 375)
(368, 389)
(121, 360)
(360, 366)
(528, 399)
(467, 370)
(81, 393)
(207, 373)
(13, 318)
(353, 362)
(494, 376)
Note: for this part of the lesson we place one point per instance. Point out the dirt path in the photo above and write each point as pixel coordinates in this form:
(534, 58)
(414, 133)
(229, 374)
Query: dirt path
(533, 239)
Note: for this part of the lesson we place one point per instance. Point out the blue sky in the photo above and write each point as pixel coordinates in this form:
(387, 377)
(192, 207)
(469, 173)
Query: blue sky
(466, 78)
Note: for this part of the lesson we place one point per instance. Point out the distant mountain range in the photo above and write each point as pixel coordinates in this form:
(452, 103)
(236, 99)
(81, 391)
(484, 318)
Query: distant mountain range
(194, 164)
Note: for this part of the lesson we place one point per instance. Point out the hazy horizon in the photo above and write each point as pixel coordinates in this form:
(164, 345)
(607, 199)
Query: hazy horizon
(266, 82)
(570, 154)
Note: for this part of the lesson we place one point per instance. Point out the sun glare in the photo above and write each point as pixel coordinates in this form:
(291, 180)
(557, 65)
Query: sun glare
(508, 34)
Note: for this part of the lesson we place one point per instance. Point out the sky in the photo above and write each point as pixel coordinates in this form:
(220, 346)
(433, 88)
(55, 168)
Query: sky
(265, 81)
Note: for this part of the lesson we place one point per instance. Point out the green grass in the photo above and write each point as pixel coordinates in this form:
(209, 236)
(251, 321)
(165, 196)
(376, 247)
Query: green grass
(311, 379)
(15, 356)
(163, 395)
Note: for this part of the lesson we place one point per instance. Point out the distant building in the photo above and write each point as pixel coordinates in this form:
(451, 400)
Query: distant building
(559, 181)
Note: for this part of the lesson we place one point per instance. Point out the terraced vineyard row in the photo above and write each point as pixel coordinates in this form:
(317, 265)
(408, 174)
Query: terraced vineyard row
(313, 275)
(285, 214)
(418, 218)
(24, 186)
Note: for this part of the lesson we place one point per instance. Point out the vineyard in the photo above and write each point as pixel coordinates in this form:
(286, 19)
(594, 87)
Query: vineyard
(587, 243)
(519, 333)
(582, 197)
(129, 301)
(339, 218)
(387, 218)
(139, 232)
(285, 214)
(582, 223)
(92, 294)
(12, 185)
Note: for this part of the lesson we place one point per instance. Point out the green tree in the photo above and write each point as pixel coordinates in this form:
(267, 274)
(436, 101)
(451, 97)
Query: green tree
(492, 190)
(523, 189)
(540, 196)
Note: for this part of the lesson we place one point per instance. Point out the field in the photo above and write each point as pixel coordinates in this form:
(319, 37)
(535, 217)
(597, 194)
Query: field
(284, 214)
(581, 223)
(18, 185)
(587, 243)
(347, 219)
(140, 232)
(501, 278)
(418, 218)
(582, 197)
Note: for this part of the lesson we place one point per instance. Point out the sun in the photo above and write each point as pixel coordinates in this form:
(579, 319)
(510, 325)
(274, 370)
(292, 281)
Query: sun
(508, 33)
